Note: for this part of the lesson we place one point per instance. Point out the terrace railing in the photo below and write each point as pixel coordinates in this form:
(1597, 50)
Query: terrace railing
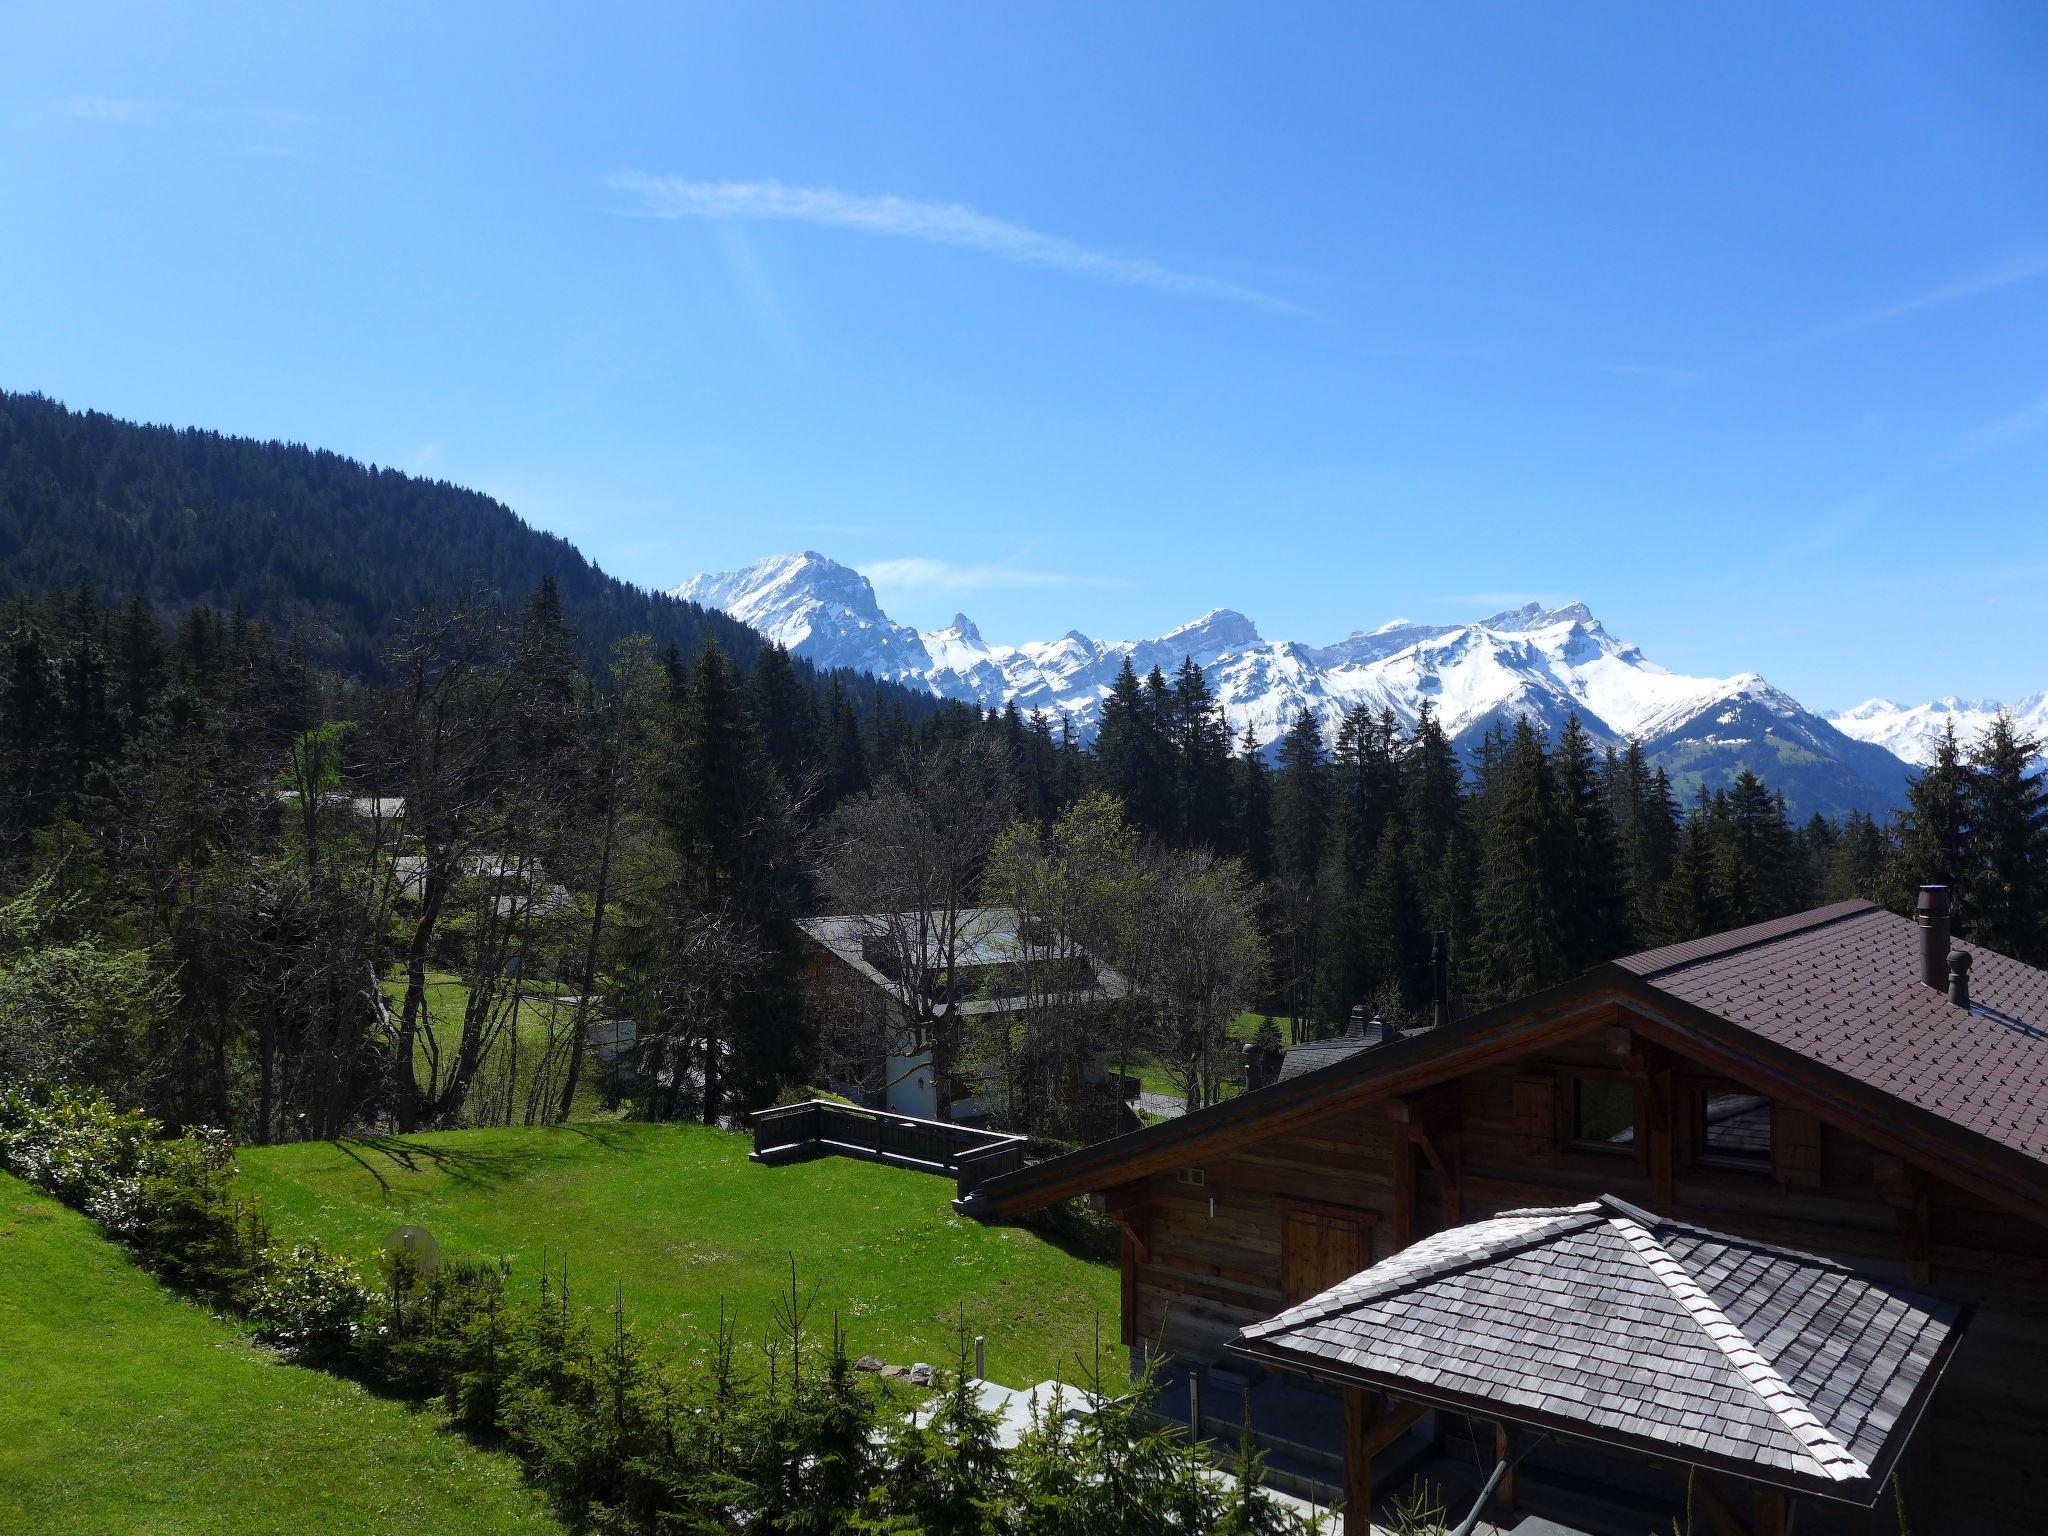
(821, 1127)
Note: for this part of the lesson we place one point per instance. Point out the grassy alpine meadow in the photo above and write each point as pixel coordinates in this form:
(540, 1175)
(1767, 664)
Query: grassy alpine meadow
(125, 1408)
(676, 1221)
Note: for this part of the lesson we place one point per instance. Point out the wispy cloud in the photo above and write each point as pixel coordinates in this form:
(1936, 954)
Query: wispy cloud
(919, 573)
(271, 131)
(907, 218)
(759, 294)
(2023, 270)
(2015, 427)
(114, 109)
(1653, 373)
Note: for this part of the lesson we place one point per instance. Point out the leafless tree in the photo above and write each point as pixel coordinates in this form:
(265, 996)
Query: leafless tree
(906, 861)
(1076, 891)
(1199, 959)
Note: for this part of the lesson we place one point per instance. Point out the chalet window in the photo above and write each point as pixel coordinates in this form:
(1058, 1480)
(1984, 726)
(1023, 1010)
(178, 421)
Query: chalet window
(1603, 1115)
(1191, 1176)
(1735, 1130)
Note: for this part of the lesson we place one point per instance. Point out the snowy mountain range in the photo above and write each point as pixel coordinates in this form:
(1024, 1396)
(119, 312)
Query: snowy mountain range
(1544, 664)
(1909, 731)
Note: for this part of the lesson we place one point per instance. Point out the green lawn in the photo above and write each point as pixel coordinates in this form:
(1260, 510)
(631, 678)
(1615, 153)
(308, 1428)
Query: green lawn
(447, 997)
(124, 1408)
(1154, 1076)
(678, 1218)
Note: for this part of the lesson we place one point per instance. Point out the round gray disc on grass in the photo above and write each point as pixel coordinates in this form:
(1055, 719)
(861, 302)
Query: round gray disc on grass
(417, 1244)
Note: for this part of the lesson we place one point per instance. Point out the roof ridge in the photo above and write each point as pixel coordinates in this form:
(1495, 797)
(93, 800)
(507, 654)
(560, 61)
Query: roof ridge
(1829, 1453)
(1735, 940)
(1568, 1218)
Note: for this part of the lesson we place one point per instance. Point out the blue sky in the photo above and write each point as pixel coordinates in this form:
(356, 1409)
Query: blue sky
(1731, 321)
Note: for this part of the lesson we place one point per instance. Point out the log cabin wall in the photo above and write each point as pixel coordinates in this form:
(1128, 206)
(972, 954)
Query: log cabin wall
(1209, 1244)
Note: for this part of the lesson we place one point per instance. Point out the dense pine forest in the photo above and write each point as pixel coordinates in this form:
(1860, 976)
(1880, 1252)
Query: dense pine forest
(334, 553)
(233, 874)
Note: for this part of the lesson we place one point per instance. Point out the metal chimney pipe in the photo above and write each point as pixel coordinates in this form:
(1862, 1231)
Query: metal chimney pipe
(1959, 978)
(1439, 978)
(1932, 915)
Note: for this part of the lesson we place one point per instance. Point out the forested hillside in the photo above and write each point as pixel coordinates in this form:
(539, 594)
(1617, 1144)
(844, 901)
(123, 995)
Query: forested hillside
(336, 553)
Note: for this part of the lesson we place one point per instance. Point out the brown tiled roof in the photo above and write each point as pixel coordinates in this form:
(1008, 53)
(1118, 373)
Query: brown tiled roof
(1603, 1321)
(1841, 986)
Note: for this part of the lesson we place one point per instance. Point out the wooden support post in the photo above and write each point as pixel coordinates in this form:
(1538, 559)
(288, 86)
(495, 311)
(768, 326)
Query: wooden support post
(1361, 1418)
(1706, 1500)
(1128, 1287)
(1771, 1509)
(1663, 1138)
(1503, 1450)
(1403, 1222)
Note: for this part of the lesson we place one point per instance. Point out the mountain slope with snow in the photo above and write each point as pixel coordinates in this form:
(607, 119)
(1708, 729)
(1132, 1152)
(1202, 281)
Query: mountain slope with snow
(1531, 662)
(1909, 731)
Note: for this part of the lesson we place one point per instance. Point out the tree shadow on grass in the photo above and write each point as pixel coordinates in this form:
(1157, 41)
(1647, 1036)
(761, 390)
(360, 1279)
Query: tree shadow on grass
(475, 1167)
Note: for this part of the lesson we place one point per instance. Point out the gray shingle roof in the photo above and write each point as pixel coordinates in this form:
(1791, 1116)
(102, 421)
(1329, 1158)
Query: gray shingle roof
(989, 937)
(1841, 985)
(1313, 1055)
(1603, 1321)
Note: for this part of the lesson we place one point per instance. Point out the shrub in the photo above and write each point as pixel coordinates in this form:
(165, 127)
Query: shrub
(74, 1145)
(311, 1304)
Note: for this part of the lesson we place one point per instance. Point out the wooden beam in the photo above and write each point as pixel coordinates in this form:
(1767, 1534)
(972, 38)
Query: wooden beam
(1403, 1180)
(1361, 1419)
(1470, 1045)
(1706, 1500)
(1772, 1509)
(1128, 1285)
(1503, 1450)
(1394, 1423)
(1658, 1092)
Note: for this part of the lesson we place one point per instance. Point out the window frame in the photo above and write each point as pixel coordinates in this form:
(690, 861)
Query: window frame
(1719, 1160)
(1574, 1142)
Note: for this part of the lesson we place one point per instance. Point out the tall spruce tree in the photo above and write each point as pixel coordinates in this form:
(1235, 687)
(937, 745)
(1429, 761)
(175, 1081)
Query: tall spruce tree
(1518, 947)
(2006, 880)
(1934, 829)
(1593, 894)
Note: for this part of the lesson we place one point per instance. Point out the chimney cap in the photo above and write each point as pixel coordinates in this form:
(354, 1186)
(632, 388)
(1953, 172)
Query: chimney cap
(1933, 898)
(1960, 960)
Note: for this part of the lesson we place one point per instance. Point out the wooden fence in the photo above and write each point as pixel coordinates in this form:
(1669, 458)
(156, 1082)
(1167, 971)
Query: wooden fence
(820, 1127)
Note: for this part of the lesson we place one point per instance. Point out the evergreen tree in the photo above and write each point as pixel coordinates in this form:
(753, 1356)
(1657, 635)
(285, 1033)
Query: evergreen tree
(2006, 883)
(1517, 948)
(1302, 817)
(1129, 761)
(1592, 890)
(1856, 865)
(1934, 828)
(1199, 744)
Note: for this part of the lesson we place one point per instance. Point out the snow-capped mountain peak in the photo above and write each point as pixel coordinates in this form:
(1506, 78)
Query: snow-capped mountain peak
(1910, 731)
(1532, 662)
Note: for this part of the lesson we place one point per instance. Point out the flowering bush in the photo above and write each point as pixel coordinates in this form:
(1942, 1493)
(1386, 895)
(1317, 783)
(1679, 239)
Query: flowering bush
(75, 1145)
(310, 1303)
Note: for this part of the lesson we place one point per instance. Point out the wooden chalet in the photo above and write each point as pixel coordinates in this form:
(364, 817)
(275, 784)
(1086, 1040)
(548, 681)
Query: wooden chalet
(1842, 1083)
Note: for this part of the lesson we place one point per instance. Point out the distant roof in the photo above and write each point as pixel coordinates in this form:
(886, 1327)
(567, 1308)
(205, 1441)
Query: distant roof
(1313, 1055)
(1605, 1322)
(1841, 986)
(989, 936)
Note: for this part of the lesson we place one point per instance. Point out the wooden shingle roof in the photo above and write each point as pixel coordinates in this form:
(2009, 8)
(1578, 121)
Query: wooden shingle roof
(1604, 1322)
(1841, 986)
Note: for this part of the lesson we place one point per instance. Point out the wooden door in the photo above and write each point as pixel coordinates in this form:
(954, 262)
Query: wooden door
(1318, 1248)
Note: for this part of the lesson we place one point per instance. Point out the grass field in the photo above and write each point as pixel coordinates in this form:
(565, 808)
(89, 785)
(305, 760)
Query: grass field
(679, 1219)
(1155, 1079)
(124, 1409)
(447, 997)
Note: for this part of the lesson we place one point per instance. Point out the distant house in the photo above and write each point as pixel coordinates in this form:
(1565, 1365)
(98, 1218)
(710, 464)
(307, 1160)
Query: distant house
(874, 1048)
